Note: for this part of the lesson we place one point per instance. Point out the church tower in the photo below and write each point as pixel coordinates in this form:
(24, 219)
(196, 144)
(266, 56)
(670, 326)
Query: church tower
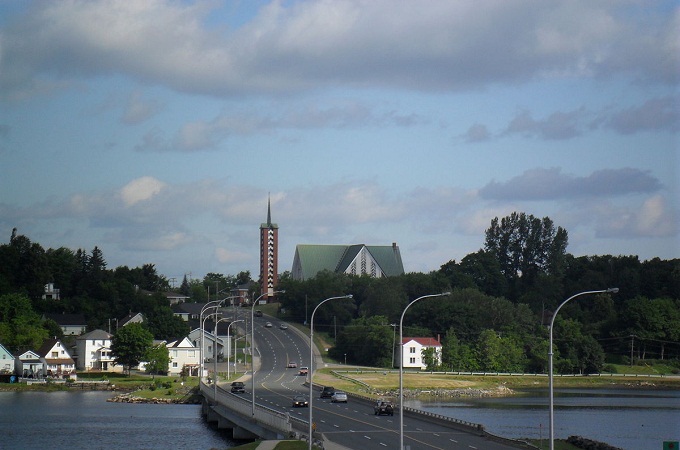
(269, 254)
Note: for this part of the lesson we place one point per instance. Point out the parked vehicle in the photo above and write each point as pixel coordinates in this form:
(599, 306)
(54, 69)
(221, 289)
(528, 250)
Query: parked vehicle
(383, 407)
(303, 371)
(300, 401)
(237, 387)
(339, 397)
(327, 392)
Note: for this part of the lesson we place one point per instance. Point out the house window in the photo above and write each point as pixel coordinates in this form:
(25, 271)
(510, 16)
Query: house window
(174, 364)
(55, 354)
(411, 349)
(412, 361)
(94, 342)
(58, 344)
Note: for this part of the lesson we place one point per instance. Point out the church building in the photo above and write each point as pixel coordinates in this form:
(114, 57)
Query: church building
(359, 259)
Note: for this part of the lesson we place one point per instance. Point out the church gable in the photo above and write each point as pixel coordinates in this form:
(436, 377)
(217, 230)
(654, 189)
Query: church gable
(363, 263)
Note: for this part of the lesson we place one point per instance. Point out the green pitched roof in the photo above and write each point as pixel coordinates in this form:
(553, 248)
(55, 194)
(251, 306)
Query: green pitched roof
(311, 259)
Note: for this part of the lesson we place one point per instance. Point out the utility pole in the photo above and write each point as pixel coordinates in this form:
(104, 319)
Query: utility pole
(632, 343)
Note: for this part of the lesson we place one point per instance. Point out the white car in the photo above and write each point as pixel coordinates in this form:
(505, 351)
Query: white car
(268, 324)
(339, 397)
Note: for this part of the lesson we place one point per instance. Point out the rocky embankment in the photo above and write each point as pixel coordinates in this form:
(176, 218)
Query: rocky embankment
(498, 391)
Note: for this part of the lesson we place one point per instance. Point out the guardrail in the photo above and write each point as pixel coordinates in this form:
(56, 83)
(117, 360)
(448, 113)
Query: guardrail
(267, 417)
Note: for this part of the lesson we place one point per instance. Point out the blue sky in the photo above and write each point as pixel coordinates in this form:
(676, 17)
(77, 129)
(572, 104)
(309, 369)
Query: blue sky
(156, 130)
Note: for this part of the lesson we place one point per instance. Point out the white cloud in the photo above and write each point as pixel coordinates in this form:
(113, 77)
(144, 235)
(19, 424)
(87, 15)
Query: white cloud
(141, 189)
(444, 46)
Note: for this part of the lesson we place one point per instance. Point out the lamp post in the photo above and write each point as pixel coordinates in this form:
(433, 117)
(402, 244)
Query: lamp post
(401, 366)
(252, 343)
(550, 358)
(211, 304)
(229, 341)
(311, 361)
(394, 338)
(215, 351)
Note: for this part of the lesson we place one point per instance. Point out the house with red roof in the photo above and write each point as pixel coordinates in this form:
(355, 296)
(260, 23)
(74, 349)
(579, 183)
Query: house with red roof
(412, 351)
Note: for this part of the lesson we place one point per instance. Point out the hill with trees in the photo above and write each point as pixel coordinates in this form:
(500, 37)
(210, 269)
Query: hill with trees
(502, 298)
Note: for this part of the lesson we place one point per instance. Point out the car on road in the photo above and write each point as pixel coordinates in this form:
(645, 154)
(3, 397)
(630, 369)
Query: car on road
(292, 365)
(327, 392)
(383, 407)
(300, 401)
(303, 371)
(237, 387)
(258, 313)
(339, 397)
(268, 324)
(283, 326)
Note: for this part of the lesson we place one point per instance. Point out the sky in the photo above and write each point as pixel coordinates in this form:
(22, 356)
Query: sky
(159, 130)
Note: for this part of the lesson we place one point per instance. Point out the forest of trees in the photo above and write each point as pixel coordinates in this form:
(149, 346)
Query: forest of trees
(495, 319)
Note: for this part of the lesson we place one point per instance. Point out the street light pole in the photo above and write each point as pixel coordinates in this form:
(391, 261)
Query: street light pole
(229, 344)
(311, 361)
(201, 321)
(550, 358)
(212, 304)
(252, 343)
(401, 366)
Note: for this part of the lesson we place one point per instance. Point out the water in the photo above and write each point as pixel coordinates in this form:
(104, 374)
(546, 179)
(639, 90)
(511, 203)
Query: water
(627, 418)
(84, 420)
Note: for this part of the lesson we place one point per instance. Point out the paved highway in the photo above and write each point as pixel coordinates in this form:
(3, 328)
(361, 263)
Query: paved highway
(353, 424)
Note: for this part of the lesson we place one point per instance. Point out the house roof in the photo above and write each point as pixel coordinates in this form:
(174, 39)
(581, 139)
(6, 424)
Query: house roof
(122, 322)
(63, 319)
(310, 259)
(96, 334)
(48, 345)
(424, 341)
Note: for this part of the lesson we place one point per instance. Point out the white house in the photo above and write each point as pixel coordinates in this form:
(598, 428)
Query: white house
(6, 360)
(93, 352)
(29, 365)
(210, 341)
(57, 359)
(412, 356)
(183, 354)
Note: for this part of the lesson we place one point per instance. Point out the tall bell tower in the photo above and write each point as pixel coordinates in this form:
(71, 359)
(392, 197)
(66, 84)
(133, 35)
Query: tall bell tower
(269, 254)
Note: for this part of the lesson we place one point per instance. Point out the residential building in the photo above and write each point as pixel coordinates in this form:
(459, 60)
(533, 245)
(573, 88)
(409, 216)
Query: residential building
(71, 324)
(7, 363)
(183, 355)
(57, 359)
(29, 365)
(413, 348)
(269, 255)
(130, 318)
(50, 293)
(374, 260)
(93, 352)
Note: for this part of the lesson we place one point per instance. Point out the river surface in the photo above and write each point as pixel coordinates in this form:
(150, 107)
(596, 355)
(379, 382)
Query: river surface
(632, 419)
(84, 420)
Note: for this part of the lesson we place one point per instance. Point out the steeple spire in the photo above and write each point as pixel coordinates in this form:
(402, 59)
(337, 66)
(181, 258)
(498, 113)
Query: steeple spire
(269, 210)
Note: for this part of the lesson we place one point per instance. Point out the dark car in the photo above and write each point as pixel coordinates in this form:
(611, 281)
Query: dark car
(300, 401)
(237, 387)
(327, 392)
(383, 407)
(258, 313)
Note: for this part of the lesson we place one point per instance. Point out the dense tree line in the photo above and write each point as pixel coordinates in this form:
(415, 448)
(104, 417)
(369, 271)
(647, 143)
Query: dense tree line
(495, 319)
(89, 288)
(502, 300)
